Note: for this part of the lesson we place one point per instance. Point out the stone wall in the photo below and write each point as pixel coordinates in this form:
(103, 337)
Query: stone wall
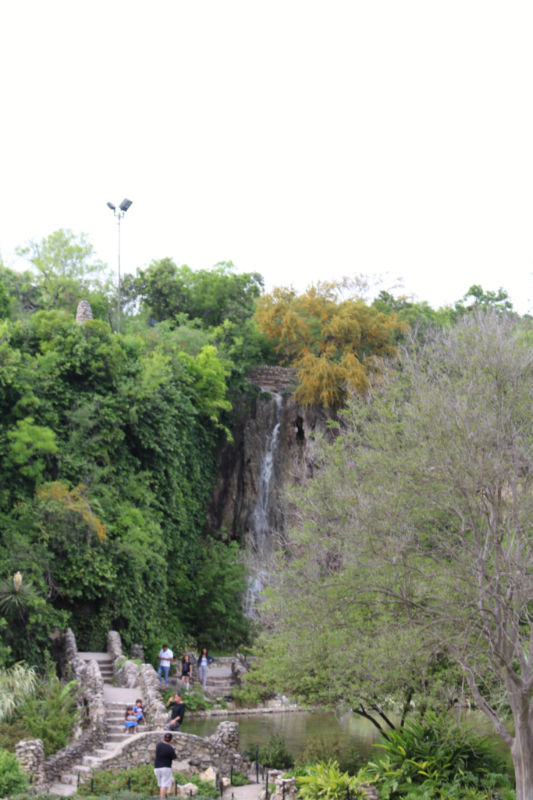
(91, 694)
(30, 754)
(126, 672)
(273, 378)
(154, 709)
(294, 461)
(219, 751)
(129, 675)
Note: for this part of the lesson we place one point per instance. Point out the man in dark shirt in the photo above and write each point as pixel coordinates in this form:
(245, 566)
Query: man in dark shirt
(164, 756)
(177, 712)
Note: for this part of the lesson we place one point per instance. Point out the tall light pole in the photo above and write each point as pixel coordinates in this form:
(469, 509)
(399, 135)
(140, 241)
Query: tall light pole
(119, 214)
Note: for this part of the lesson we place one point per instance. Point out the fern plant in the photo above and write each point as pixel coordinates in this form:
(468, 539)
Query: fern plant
(325, 781)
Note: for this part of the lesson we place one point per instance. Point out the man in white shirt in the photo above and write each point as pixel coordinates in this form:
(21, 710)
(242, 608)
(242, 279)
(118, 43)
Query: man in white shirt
(165, 659)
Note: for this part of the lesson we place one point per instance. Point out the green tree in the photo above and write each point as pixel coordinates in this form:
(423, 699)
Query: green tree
(108, 456)
(68, 271)
(210, 296)
(432, 521)
(477, 298)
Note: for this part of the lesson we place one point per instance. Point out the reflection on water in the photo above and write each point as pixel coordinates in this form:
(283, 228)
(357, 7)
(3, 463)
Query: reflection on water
(348, 733)
(298, 728)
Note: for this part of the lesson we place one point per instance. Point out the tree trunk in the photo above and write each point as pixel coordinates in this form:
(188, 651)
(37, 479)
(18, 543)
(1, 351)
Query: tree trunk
(522, 752)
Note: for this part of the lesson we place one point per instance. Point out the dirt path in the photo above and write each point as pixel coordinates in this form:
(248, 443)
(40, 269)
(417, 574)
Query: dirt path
(249, 792)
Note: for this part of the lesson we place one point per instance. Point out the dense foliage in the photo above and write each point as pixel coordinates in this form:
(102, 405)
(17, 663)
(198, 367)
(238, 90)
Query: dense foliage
(439, 757)
(335, 343)
(108, 455)
(36, 707)
(139, 780)
(12, 778)
(412, 556)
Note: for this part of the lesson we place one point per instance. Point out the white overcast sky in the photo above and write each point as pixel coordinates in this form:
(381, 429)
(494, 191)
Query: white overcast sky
(303, 140)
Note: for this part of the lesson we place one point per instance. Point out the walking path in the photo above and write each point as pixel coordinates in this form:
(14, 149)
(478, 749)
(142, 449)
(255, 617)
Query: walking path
(115, 700)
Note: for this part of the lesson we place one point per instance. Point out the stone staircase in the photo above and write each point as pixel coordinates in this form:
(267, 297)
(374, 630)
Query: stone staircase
(220, 680)
(115, 733)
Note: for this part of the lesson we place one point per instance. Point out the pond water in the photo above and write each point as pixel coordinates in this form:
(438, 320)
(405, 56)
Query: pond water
(317, 729)
(328, 734)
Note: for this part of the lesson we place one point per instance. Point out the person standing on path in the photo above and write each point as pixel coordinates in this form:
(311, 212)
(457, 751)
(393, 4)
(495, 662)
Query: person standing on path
(166, 656)
(204, 659)
(164, 756)
(186, 671)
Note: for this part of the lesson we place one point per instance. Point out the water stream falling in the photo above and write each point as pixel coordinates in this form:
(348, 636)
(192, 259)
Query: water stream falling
(260, 516)
(260, 538)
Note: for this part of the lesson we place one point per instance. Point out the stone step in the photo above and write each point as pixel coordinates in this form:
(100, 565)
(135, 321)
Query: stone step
(104, 752)
(62, 789)
(70, 778)
(91, 761)
(116, 737)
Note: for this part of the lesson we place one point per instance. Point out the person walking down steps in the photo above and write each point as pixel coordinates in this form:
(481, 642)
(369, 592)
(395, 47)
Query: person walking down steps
(204, 659)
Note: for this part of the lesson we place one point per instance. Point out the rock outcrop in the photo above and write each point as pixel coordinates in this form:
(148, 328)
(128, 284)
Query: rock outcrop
(235, 499)
(84, 311)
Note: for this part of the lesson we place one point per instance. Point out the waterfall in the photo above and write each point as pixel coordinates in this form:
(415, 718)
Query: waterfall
(260, 533)
(260, 516)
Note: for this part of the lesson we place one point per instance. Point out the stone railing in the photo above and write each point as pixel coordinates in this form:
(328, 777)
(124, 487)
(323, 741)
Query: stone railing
(240, 665)
(219, 751)
(129, 675)
(126, 672)
(30, 754)
(154, 709)
(91, 695)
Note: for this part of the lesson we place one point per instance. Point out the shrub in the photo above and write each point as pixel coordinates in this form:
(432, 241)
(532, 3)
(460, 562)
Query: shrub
(195, 700)
(206, 788)
(318, 748)
(12, 778)
(16, 683)
(325, 781)
(273, 754)
(137, 782)
(435, 754)
(140, 779)
(49, 713)
(239, 779)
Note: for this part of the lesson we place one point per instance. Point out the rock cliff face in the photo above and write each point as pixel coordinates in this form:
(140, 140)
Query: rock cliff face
(273, 449)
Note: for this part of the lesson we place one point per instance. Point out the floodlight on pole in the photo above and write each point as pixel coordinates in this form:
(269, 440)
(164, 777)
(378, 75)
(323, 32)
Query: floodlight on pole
(119, 214)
